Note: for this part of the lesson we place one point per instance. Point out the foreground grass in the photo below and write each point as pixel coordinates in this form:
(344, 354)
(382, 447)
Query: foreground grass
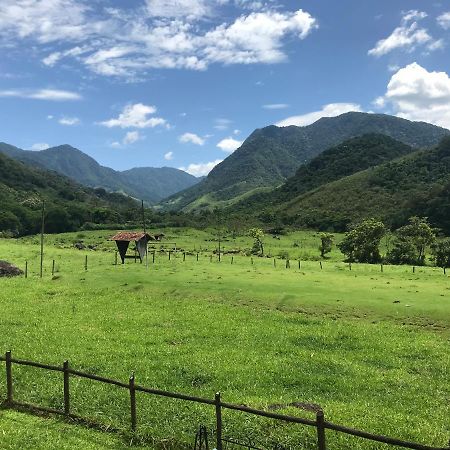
(371, 348)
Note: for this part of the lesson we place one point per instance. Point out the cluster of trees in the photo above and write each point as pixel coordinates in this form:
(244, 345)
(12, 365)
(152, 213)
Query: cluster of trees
(408, 244)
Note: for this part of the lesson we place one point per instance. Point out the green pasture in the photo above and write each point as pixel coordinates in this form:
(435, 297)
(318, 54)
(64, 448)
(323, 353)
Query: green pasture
(370, 347)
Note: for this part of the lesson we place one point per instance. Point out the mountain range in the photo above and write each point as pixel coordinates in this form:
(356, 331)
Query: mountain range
(272, 154)
(144, 183)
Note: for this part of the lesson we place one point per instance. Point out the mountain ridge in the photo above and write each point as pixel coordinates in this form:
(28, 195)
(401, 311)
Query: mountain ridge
(272, 154)
(152, 185)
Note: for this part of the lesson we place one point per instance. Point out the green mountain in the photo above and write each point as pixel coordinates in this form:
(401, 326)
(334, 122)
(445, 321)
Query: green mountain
(337, 162)
(146, 183)
(270, 155)
(68, 204)
(415, 184)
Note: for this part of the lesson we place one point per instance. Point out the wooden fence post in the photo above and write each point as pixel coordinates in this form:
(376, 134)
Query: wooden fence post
(53, 267)
(251, 259)
(66, 388)
(320, 262)
(85, 263)
(274, 262)
(169, 254)
(133, 402)
(197, 256)
(210, 258)
(414, 269)
(350, 265)
(232, 259)
(299, 264)
(320, 419)
(153, 257)
(26, 269)
(381, 267)
(184, 256)
(218, 422)
(9, 382)
(115, 258)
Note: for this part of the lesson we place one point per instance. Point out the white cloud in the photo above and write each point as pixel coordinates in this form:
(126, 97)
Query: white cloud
(444, 20)
(276, 106)
(416, 94)
(128, 41)
(191, 138)
(229, 144)
(39, 146)
(436, 45)
(135, 116)
(407, 36)
(50, 117)
(69, 121)
(179, 8)
(41, 94)
(116, 144)
(168, 156)
(201, 169)
(131, 137)
(222, 124)
(330, 110)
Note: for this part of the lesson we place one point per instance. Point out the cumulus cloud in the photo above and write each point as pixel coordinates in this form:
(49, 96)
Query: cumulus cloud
(229, 144)
(276, 106)
(131, 137)
(168, 156)
(125, 42)
(135, 116)
(444, 20)
(55, 95)
(69, 121)
(414, 93)
(330, 110)
(191, 138)
(201, 169)
(39, 146)
(407, 36)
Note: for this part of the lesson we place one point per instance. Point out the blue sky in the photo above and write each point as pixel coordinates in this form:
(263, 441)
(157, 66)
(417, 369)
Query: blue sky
(182, 82)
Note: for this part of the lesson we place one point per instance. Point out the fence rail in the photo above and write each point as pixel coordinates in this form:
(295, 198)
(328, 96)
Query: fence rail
(319, 422)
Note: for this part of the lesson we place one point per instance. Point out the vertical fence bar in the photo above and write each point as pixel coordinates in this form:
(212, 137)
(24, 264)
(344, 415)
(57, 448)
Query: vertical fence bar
(232, 259)
(197, 256)
(184, 256)
(299, 264)
(26, 269)
(85, 263)
(9, 381)
(274, 262)
(133, 403)
(218, 422)
(115, 258)
(53, 267)
(321, 442)
(169, 254)
(381, 267)
(320, 262)
(153, 257)
(66, 388)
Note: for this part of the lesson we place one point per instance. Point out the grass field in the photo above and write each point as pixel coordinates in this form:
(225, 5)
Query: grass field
(371, 348)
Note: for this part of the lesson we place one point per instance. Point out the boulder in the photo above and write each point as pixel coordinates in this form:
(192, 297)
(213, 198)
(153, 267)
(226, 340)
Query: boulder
(9, 270)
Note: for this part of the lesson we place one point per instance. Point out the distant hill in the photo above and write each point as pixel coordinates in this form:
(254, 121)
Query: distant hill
(415, 184)
(337, 162)
(146, 183)
(68, 204)
(270, 155)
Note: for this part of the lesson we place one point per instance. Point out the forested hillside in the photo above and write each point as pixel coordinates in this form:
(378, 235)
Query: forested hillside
(145, 183)
(270, 155)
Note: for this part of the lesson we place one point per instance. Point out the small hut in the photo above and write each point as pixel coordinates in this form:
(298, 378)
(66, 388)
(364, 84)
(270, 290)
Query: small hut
(123, 240)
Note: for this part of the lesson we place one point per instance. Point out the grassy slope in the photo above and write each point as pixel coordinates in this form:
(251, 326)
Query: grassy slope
(259, 334)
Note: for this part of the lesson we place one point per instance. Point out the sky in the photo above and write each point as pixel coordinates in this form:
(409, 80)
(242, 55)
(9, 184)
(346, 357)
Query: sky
(182, 83)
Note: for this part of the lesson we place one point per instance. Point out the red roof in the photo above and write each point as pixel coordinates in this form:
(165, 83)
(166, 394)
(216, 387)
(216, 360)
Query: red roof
(131, 236)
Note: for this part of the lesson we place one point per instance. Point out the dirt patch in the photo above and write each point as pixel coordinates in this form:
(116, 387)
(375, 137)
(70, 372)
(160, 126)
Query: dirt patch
(9, 270)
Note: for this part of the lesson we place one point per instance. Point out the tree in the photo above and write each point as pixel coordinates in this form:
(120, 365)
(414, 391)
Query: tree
(362, 243)
(326, 243)
(441, 252)
(412, 241)
(257, 234)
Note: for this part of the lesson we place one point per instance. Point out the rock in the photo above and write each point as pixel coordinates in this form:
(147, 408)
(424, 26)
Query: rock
(79, 245)
(9, 270)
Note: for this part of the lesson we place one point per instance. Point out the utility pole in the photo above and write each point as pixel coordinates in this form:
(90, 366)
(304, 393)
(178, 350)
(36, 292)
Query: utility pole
(145, 232)
(42, 236)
